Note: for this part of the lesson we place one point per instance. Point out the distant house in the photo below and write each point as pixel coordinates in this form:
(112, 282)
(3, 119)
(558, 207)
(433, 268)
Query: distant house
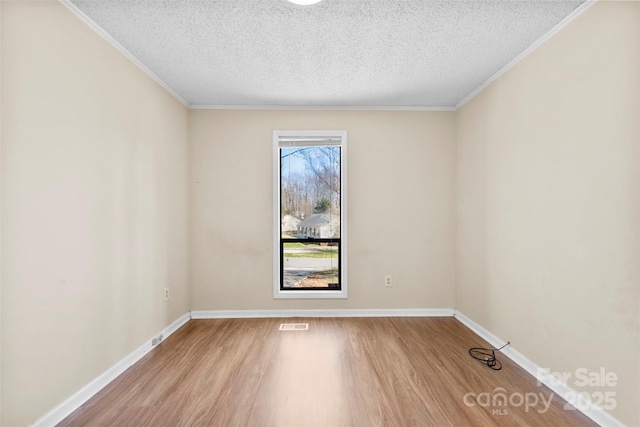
(319, 226)
(290, 224)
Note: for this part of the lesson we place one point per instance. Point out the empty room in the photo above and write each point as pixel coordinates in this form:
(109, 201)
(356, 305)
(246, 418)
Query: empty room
(319, 213)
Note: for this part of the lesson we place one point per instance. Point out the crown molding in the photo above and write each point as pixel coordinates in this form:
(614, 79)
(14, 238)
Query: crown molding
(107, 37)
(579, 10)
(569, 18)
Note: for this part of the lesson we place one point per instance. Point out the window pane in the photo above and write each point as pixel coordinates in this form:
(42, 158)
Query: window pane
(310, 183)
(310, 265)
(310, 192)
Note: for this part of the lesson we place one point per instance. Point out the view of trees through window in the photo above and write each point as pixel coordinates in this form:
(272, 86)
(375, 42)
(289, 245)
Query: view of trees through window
(310, 181)
(310, 217)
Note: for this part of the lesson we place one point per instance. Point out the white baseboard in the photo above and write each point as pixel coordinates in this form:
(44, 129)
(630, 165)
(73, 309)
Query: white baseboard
(65, 408)
(594, 412)
(400, 312)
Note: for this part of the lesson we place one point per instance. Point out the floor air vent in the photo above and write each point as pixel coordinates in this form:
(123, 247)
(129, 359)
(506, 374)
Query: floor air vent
(294, 326)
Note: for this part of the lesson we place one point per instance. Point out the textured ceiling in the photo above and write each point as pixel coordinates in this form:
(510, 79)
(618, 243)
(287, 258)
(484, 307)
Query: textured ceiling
(337, 53)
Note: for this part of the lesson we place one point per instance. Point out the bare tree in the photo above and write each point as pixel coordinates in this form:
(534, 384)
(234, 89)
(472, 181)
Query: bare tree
(320, 180)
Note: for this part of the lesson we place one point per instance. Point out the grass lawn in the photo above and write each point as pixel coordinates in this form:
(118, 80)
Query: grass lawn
(329, 253)
(298, 245)
(306, 250)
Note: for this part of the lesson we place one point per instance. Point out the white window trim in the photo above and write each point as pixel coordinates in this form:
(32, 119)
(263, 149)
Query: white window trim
(329, 294)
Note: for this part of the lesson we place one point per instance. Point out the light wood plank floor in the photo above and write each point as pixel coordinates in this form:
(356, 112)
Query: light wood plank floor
(341, 372)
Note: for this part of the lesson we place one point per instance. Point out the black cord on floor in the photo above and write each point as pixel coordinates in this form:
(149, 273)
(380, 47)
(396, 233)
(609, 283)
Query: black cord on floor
(487, 356)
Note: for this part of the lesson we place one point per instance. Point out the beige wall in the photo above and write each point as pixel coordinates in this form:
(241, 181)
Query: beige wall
(96, 178)
(1, 211)
(94, 220)
(548, 202)
(400, 201)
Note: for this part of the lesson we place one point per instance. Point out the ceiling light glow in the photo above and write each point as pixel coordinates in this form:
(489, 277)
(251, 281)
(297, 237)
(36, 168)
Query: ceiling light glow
(305, 2)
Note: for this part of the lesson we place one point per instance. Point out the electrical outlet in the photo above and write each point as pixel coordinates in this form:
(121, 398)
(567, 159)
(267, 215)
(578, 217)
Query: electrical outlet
(166, 294)
(387, 281)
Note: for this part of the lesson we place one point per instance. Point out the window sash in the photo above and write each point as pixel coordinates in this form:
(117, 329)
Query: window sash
(295, 139)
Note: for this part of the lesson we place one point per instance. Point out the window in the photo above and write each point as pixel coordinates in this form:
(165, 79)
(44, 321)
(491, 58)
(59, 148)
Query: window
(310, 214)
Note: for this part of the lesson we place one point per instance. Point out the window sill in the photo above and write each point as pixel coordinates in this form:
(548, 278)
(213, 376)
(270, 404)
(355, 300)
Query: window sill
(341, 294)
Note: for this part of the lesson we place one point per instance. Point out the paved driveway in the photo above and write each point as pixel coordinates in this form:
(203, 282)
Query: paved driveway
(296, 269)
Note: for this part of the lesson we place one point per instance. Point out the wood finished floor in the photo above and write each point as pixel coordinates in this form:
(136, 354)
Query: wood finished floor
(341, 372)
